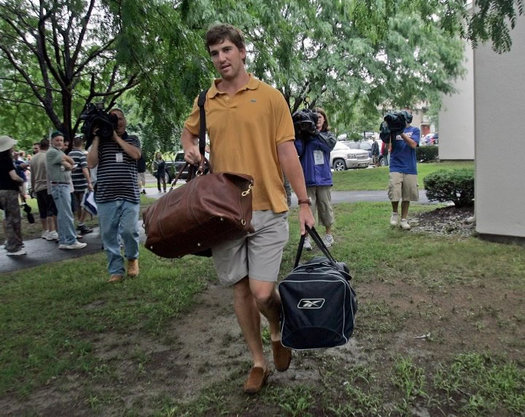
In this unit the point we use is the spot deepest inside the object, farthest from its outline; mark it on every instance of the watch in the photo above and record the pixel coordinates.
(305, 201)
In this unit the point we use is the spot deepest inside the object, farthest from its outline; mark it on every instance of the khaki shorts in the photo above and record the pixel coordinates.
(403, 187)
(257, 255)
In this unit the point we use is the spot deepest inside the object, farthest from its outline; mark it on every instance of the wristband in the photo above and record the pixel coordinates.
(304, 201)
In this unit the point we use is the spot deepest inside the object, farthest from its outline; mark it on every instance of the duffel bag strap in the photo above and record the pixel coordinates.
(204, 167)
(318, 241)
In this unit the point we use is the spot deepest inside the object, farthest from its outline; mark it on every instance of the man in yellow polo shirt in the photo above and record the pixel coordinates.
(251, 132)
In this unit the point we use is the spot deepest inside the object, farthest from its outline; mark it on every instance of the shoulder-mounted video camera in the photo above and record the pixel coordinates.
(393, 124)
(304, 123)
(96, 118)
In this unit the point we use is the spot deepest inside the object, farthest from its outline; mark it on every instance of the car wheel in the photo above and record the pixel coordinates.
(339, 164)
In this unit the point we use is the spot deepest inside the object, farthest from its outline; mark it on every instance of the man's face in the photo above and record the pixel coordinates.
(36, 148)
(227, 59)
(58, 142)
(121, 125)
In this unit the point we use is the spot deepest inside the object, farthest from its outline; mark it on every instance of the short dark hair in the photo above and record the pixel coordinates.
(57, 133)
(220, 32)
(44, 144)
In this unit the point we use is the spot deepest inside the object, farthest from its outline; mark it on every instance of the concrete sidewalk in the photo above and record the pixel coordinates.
(41, 251)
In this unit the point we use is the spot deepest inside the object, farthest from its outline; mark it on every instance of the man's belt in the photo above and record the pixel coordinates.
(57, 183)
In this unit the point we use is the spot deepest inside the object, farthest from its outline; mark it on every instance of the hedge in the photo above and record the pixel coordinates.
(451, 185)
(427, 153)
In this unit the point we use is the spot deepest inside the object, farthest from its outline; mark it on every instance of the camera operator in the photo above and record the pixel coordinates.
(403, 173)
(314, 153)
(117, 195)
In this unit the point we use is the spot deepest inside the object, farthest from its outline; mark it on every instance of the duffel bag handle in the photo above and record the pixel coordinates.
(318, 241)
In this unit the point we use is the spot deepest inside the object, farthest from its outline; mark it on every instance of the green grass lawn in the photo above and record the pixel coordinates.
(377, 178)
(439, 331)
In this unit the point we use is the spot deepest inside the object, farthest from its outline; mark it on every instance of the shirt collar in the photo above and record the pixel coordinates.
(252, 84)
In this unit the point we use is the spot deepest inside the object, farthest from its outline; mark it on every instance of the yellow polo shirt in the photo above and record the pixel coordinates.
(244, 131)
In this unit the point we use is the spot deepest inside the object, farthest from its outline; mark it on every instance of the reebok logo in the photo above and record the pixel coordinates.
(310, 303)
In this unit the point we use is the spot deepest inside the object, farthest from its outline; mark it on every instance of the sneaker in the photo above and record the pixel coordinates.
(19, 252)
(404, 224)
(76, 245)
(84, 230)
(394, 219)
(307, 245)
(52, 235)
(328, 240)
(44, 234)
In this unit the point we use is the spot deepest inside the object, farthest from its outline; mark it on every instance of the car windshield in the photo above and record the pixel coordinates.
(179, 157)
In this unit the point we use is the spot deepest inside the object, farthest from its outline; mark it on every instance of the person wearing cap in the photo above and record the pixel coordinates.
(10, 184)
(403, 173)
(59, 167)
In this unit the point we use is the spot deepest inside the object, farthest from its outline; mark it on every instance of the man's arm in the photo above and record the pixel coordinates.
(67, 162)
(85, 171)
(131, 150)
(190, 144)
(409, 141)
(92, 156)
(14, 176)
(291, 167)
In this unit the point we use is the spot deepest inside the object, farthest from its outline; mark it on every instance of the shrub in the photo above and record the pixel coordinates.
(427, 153)
(448, 185)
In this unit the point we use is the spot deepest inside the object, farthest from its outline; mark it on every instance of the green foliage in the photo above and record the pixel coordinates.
(427, 153)
(492, 21)
(456, 186)
(351, 57)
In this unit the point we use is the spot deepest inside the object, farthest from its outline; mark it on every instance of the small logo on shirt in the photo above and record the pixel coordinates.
(253, 100)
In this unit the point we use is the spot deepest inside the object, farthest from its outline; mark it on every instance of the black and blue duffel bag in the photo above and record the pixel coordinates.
(318, 303)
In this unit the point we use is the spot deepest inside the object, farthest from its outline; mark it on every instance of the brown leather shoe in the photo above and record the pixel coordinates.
(133, 267)
(256, 380)
(282, 356)
(115, 278)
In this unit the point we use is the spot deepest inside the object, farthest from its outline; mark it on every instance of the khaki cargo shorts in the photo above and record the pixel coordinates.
(403, 187)
(257, 255)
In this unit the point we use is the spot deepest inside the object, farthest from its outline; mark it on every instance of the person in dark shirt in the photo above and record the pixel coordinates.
(160, 166)
(10, 184)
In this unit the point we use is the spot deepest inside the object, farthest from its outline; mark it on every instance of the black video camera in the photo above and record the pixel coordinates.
(394, 124)
(304, 123)
(96, 118)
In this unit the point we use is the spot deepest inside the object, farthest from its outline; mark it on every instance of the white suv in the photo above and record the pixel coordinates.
(342, 158)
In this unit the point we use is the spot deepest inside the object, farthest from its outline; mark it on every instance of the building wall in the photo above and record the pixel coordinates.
(499, 109)
(456, 118)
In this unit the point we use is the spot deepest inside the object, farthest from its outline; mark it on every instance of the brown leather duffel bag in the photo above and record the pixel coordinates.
(205, 211)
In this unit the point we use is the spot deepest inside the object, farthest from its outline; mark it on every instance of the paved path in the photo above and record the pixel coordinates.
(41, 251)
